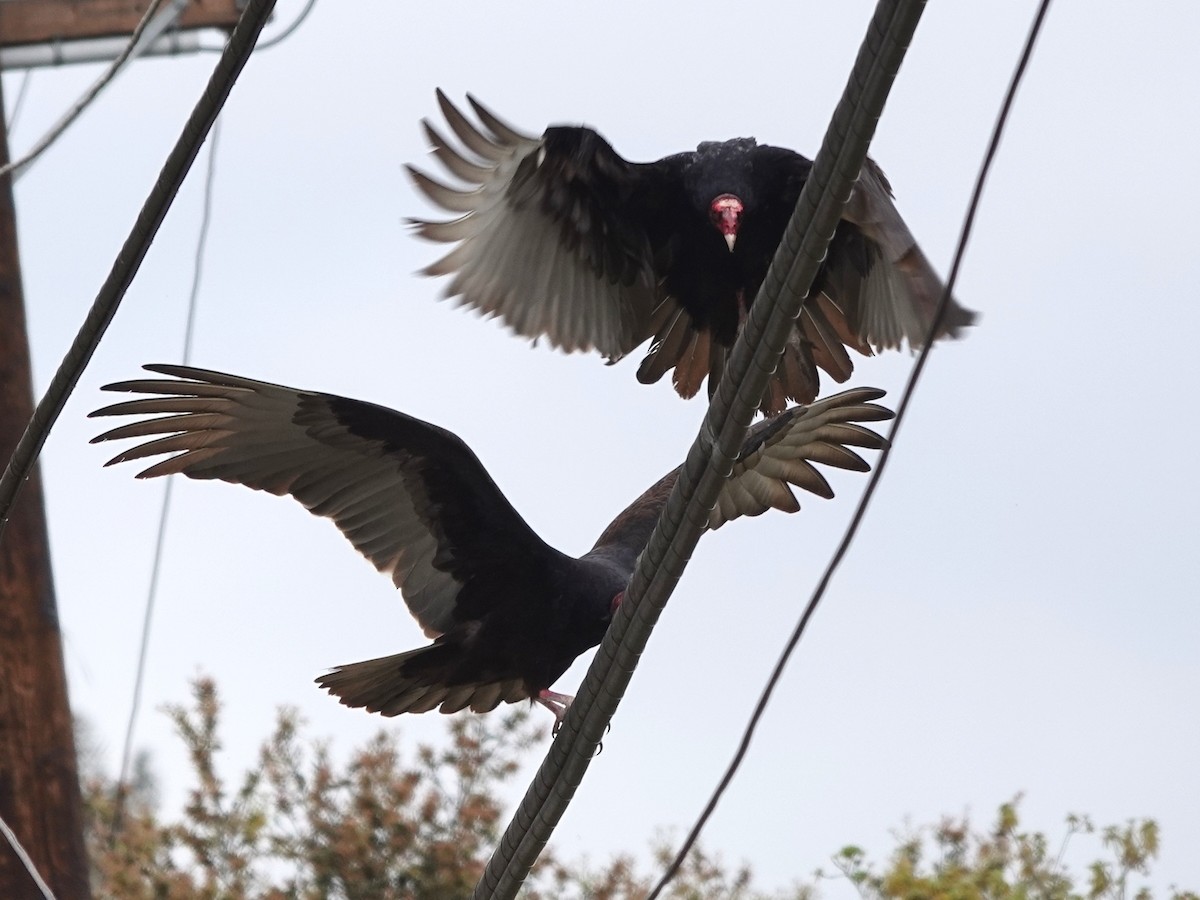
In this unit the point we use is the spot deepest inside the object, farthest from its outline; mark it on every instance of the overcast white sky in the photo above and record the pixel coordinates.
(1019, 612)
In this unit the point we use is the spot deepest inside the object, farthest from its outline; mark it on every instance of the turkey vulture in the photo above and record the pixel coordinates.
(507, 612)
(561, 237)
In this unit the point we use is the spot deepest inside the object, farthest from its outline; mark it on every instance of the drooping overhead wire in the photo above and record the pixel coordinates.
(165, 508)
(164, 511)
(276, 39)
(279, 37)
(126, 265)
(19, 103)
(65, 121)
(869, 491)
(754, 357)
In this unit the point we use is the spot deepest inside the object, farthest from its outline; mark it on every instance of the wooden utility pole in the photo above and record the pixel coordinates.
(39, 785)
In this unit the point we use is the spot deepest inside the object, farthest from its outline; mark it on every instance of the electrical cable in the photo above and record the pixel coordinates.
(135, 43)
(276, 39)
(869, 490)
(59, 128)
(20, 101)
(11, 837)
(125, 266)
(122, 792)
(755, 355)
(164, 511)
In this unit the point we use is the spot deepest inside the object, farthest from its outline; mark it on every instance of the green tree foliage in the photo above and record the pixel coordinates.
(395, 822)
(300, 826)
(950, 862)
(388, 823)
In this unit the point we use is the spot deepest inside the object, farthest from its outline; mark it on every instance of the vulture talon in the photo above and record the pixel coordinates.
(557, 704)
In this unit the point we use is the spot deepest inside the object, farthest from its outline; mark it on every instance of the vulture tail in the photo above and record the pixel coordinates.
(417, 681)
(674, 344)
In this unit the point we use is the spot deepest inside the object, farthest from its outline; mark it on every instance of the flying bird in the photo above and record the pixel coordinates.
(508, 613)
(561, 237)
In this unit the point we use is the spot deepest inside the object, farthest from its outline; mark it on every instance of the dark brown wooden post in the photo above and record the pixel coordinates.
(39, 786)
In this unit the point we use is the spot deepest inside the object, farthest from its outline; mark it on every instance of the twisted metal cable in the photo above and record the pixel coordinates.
(126, 265)
(755, 356)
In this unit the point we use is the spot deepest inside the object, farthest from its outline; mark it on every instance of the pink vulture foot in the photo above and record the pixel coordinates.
(557, 704)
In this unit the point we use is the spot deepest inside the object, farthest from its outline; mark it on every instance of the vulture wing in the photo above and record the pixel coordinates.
(887, 288)
(551, 234)
(776, 453)
(781, 451)
(411, 497)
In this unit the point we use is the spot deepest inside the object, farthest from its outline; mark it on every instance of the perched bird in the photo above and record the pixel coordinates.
(507, 612)
(561, 237)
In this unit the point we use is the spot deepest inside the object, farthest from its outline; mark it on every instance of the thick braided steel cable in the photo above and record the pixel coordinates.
(154, 210)
(755, 356)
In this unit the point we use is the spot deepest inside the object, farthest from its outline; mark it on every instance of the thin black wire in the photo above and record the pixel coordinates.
(20, 101)
(159, 540)
(133, 251)
(88, 97)
(164, 511)
(276, 39)
(869, 491)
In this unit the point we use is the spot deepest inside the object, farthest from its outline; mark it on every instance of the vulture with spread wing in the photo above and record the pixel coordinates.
(507, 612)
(561, 237)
